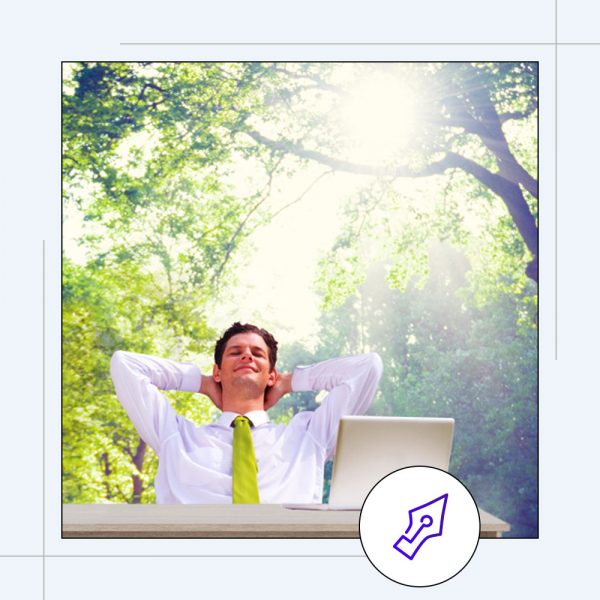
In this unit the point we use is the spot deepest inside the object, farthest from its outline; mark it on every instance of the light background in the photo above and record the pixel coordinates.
(34, 562)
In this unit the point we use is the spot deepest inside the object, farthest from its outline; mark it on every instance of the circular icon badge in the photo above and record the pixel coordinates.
(419, 526)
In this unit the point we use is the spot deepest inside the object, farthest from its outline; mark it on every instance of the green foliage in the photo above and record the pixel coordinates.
(447, 354)
(145, 171)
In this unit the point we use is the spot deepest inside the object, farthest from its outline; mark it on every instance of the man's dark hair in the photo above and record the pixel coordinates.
(236, 328)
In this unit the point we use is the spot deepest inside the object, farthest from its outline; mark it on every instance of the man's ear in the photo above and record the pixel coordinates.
(272, 378)
(216, 373)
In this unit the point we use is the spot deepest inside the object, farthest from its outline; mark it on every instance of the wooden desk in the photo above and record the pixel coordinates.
(220, 521)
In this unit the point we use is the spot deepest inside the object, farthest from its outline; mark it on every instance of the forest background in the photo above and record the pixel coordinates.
(346, 207)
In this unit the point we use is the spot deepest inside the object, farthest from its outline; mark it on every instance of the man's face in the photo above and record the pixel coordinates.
(245, 363)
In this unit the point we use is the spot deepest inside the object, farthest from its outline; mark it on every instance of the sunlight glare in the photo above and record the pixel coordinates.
(381, 116)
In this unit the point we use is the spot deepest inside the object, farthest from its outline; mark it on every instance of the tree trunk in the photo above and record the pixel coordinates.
(138, 461)
(107, 472)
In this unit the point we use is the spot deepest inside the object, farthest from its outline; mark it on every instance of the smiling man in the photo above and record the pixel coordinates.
(243, 457)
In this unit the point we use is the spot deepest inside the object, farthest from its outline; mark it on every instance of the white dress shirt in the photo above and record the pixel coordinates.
(195, 460)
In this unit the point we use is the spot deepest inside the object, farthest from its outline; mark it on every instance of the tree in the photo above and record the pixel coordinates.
(467, 107)
(105, 310)
(204, 114)
(446, 354)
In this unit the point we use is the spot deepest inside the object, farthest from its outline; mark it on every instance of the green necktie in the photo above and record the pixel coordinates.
(244, 479)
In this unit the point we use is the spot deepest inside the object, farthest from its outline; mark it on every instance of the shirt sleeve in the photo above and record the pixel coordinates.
(351, 382)
(138, 379)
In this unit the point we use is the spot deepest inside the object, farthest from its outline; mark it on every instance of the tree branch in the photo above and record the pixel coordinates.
(318, 82)
(488, 127)
(310, 186)
(290, 147)
(508, 191)
(151, 86)
(513, 199)
(262, 197)
(517, 115)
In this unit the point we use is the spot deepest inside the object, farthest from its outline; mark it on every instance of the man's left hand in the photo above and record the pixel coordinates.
(281, 387)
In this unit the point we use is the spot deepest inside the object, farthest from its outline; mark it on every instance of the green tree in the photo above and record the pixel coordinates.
(478, 122)
(146, 176)
(474, 119)
(446, 354)
(105, 310)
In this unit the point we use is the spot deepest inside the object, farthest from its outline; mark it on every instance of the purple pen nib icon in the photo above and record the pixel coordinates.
(425, 522)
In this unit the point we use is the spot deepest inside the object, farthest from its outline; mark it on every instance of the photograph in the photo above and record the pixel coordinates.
(282, 281)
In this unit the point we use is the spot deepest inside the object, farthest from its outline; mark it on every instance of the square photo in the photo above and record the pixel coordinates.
(283, 280)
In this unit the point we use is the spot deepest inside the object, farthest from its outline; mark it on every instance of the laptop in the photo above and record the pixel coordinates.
(369, 448)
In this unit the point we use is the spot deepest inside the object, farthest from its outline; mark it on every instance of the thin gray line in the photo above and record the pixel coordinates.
(335, 44)
(44, 556)
(556, 182)
(359, 43)
(43, 419)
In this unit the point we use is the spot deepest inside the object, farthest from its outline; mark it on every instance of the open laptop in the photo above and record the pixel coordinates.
(369, 448)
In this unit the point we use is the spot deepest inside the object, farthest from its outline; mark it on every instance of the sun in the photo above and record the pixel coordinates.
(380, 115)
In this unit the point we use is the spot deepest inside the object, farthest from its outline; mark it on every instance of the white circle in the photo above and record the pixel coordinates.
(419, 526)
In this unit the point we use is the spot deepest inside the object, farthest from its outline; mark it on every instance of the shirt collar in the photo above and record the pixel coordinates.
(258, 417)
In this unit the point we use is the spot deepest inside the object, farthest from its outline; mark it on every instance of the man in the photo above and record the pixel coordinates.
(244, 460)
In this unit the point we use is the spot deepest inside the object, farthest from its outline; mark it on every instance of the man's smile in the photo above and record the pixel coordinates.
(244, 367)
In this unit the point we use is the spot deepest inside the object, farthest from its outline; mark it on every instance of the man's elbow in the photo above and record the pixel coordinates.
(116, 362)
(375, 365)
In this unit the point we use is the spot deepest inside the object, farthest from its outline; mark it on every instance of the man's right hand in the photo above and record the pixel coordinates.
(209, 387)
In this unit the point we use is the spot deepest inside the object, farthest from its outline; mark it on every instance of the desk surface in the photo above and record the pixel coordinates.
(220, 521)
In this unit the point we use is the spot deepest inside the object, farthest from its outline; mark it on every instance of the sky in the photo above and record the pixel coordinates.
(276, 286)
